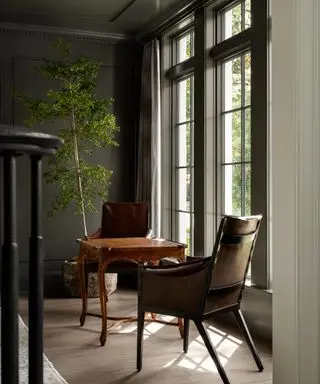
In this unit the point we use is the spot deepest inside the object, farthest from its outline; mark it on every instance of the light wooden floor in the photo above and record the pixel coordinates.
(80, 359)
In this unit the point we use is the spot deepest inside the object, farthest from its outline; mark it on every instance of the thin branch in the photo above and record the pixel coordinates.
(78, 170)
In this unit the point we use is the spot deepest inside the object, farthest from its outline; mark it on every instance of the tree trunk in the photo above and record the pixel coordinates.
(78, 175)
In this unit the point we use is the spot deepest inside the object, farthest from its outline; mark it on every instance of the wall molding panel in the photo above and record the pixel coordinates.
(22, 47)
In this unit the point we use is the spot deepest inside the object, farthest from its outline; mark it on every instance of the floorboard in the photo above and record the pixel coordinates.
(80, 359)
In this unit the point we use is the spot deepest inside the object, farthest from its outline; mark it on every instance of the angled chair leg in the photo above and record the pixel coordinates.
(139, 340)
(186, 325)
(204, 334)
(244, 328)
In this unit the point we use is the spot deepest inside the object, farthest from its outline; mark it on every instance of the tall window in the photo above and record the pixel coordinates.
(240, 61)
(182, 48)
(184, 162)
(178, 145)
(214, 134)
(236, 134)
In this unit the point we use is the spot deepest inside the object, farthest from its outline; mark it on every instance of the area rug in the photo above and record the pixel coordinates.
(50, 374)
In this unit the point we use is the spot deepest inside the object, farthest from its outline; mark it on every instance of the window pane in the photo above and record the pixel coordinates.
(184, 190)
(247, 71)
(184, 137)
(184, 47)
(184, 100)
(247, 134)
(232, 189)
(232, 21)
(232, 137)
(248, 189)
(184, 230)
(236, 19)
(232, 83)
(247, 14)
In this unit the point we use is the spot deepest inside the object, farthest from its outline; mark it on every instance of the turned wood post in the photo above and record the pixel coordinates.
(21, 142)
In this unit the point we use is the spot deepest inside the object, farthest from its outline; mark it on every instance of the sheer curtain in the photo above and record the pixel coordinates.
(148, 172)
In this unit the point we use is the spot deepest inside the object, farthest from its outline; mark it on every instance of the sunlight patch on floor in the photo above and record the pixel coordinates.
(198, 358)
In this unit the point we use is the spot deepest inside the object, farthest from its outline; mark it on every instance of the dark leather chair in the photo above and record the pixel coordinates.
(206, 286)
(124, 219)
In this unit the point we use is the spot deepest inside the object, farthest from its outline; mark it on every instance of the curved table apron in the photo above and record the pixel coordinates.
(106, 251)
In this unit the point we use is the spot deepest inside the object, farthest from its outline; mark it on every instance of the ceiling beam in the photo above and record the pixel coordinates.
(122, 10)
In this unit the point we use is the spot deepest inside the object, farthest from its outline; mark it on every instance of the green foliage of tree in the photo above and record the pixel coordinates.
(87, 123)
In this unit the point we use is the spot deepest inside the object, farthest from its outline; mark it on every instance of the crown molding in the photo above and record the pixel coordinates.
(40, 31)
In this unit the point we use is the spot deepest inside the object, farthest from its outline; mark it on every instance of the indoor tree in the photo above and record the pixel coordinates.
(86, 123)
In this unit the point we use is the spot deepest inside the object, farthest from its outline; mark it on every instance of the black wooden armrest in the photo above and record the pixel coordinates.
(181, 269)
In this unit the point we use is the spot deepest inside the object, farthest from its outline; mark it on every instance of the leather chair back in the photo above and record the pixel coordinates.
(124, 220)
(236, 240)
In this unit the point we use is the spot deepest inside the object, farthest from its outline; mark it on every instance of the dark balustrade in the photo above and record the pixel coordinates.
(14, 142)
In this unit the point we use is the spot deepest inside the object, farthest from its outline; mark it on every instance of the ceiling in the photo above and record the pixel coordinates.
(106, 16)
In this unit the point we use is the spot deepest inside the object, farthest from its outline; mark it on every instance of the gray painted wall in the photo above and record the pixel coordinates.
(19, 54)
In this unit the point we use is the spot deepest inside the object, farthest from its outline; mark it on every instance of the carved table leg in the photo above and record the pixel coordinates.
(83, 290)
(180, 325)
(103, 302)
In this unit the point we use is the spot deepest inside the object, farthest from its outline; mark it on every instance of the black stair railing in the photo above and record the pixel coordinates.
(14, 142)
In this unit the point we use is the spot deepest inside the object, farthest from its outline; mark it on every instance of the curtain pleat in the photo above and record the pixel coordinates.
(148, 172)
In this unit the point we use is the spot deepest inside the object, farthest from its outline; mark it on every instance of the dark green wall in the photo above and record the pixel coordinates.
(20, 52)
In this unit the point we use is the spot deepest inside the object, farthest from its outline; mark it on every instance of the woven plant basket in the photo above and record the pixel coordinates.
(72, 281)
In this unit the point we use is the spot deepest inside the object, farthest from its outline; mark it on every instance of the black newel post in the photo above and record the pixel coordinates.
(21, 142)
(9, 278)
(36, 275)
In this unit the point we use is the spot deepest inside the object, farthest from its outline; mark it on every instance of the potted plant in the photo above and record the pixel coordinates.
(87, 123)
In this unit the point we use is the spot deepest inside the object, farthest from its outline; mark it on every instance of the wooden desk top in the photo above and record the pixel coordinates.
(132, 243)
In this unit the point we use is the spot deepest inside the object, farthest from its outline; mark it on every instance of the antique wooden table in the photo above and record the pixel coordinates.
(108, 250)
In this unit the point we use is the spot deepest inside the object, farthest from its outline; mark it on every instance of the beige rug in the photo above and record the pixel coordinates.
(50, 374)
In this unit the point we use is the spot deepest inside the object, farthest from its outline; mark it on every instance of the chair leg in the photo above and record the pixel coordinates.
(244, 328)
(204, 334)
(139, 339)
(186, 325)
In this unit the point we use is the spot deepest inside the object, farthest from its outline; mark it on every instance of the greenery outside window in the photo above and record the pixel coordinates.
(214, 134)
(183, 47)
(183, 174)
(239, 56)
(235, 18)
(236, 135)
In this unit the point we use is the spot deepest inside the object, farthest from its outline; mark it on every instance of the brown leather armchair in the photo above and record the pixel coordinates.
(124, 219)
(202, 288)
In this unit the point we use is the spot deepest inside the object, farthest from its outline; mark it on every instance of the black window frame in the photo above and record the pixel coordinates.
(255, 39)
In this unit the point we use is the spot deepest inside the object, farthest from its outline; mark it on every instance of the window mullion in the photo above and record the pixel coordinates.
(243, 15)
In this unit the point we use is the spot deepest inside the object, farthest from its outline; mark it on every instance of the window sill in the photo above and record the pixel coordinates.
(259, 291)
